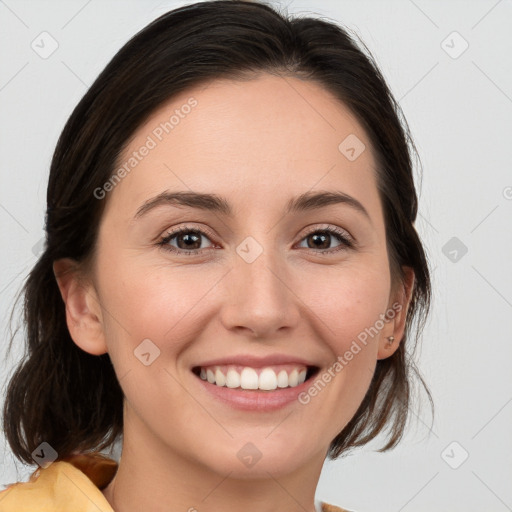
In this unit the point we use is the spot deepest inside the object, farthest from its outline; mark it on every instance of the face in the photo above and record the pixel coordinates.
(251, 278)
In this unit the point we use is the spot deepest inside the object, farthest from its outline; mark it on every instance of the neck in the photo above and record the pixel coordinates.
(154, 477)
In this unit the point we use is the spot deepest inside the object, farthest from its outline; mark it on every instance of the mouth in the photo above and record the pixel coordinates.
(269, 379)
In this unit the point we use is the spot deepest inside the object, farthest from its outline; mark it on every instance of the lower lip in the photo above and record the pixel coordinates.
(255, 400)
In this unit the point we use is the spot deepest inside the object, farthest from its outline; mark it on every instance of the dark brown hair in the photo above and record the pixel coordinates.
(71, 399)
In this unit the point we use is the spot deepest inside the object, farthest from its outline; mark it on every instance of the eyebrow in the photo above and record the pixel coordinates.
(214, 203)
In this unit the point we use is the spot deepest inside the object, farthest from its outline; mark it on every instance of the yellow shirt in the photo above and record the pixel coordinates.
(71, 485)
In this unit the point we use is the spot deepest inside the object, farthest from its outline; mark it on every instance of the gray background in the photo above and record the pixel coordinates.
(459, 107)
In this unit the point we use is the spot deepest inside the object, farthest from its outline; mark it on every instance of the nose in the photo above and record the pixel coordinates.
(260, 299)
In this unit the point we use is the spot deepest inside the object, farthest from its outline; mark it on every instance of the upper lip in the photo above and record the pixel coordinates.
(257, 362)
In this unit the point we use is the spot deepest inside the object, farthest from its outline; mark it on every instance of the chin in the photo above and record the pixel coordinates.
(250, 462)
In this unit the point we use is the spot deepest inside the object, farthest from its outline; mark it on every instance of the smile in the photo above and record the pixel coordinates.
(268, 378)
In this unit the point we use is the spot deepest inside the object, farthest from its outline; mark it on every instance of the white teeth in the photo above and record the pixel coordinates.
(267, 380)
(249, 379)
(220, 380)
(282, 379)
(232, 379)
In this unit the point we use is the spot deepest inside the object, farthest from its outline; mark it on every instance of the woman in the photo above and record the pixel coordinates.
(230, 275)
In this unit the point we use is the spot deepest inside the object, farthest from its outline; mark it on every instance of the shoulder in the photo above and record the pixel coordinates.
(332, 508)
(73, 484)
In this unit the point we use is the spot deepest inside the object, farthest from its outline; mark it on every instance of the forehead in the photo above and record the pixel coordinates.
(264, 138)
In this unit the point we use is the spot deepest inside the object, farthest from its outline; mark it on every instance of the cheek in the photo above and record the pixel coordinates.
(157, 303)
(348, 307)
(150, 317)
(348, 301)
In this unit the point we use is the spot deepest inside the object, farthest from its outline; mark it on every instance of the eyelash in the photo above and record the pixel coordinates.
(346, 242)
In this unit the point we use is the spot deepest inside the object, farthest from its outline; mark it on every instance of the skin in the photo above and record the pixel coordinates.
(257, 143)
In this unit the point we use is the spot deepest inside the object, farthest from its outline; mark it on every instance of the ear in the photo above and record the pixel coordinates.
(397, 313)
(83, 311)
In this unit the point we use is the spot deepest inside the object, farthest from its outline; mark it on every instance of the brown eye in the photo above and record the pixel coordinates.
(321, 240)
(188, 241)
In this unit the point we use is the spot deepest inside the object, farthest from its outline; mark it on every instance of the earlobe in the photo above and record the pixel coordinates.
(83, 313)
(393, 331)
